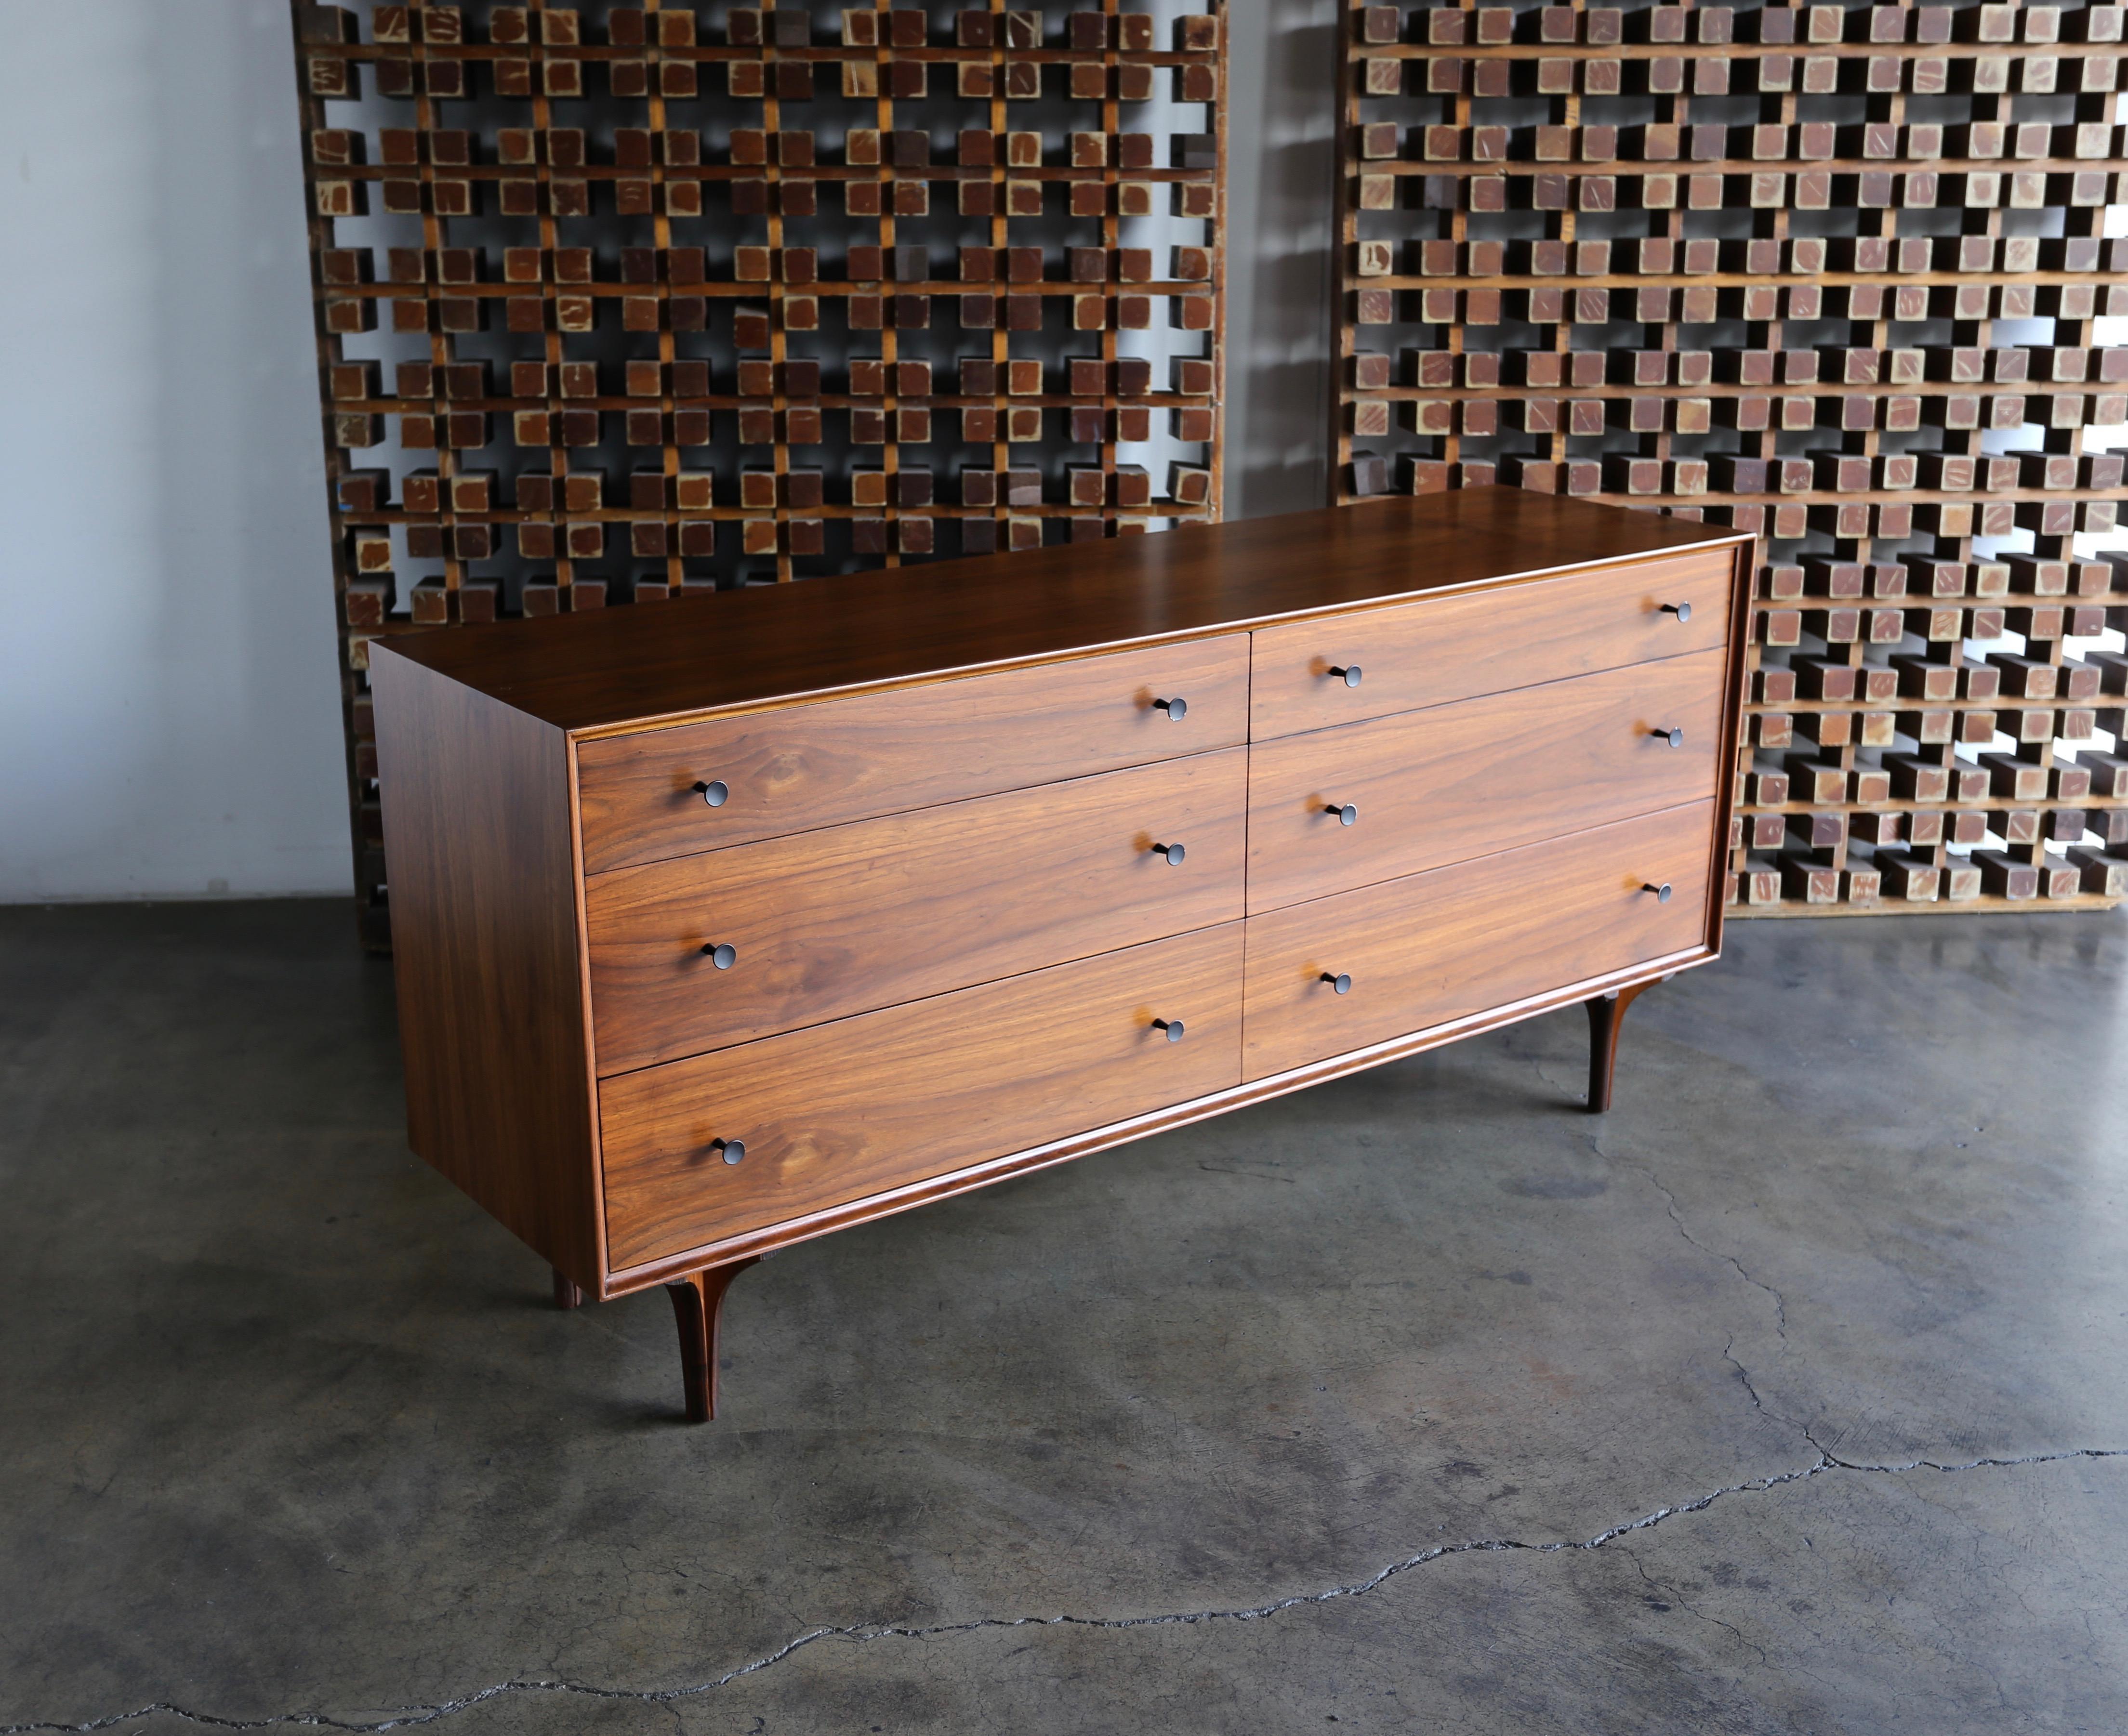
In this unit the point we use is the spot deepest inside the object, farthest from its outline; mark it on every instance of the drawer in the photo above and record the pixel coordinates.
(1455, 647)
(1444, 944)
(798, 767)
(1482, 776)
(839, 1112)
(847, 918)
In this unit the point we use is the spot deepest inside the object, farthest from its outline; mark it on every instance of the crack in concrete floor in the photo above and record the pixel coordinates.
(413, 1716)
(1826, 1461)
(1830, 1461)
(1677, 1217)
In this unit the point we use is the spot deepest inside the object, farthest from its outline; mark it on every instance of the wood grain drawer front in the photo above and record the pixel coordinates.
(842, 1112)
(1456, 647)
(1457, 942)
(850, 917)
(801, 766)
(1431, 787)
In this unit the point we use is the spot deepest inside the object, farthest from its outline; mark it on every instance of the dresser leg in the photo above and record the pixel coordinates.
(698, 1304)
(567, 1295)
(1606, 1014)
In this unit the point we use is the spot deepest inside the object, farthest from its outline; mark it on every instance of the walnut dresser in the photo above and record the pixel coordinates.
(727, 922)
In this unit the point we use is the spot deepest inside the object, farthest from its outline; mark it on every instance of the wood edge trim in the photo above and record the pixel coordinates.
(595, 1142)
(974, 1176)
(2083, 904)
(1247, 625)
(1734, 694)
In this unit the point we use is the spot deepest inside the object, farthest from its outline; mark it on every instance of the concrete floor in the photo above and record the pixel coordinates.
(1789, 1396)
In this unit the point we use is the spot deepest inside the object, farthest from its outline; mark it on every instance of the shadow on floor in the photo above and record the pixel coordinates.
(1415, 1401)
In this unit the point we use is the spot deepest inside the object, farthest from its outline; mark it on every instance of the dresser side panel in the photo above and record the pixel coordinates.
(485, 950)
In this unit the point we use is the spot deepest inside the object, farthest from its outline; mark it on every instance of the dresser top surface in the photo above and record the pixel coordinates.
(737, 648)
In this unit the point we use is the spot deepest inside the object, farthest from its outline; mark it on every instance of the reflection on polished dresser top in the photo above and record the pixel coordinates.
(629, 667)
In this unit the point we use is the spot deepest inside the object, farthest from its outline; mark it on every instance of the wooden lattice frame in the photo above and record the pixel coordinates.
(1602, 236)
(682, 198)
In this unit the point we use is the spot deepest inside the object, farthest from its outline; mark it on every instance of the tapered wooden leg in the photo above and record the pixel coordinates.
(1606, 1014)
(698, 1304)
(567, 1295)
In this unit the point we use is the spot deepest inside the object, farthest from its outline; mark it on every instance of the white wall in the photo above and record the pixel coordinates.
(167, 690)
(167, 697)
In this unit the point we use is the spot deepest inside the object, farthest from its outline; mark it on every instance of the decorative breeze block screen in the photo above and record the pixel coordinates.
(1843, 276)
(617, 303)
